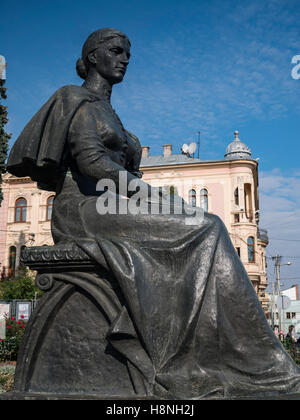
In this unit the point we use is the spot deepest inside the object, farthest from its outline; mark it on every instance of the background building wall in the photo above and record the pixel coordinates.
(221, 179)
(3, 223)
(35, 230)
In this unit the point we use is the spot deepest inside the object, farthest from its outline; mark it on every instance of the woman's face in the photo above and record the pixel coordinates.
(111, 59)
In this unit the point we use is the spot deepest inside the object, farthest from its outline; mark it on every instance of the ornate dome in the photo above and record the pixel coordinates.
(237, 149)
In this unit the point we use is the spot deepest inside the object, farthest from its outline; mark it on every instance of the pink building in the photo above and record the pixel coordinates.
(226, 187)
(25, 216)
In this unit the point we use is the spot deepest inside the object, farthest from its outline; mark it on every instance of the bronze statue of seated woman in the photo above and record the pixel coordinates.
(137, 303)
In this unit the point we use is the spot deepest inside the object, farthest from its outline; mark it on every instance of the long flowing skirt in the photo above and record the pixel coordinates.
(189, 301)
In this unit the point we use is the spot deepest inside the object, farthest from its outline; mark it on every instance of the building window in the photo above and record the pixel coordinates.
(293, 315)
(288, 315)
(238, 250)
(12, 260)
(204, 199)
(236, 197)
(20, 210)
(248, 202)
(250, 243)
(49, 206)
(236, 218)
(192, 198)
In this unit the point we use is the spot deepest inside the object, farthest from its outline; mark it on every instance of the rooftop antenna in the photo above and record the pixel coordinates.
(198, 144)
(188, 150)
(184, 149)
(192, 149)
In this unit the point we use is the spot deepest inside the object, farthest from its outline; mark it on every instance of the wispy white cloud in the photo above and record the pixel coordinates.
(280, 214)
(191, 81)
(213, 73)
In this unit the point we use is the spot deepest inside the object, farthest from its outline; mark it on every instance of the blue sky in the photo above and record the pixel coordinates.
(197, 65)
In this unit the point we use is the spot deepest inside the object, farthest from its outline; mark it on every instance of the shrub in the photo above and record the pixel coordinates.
(9, 346)
(290, 345)
(20, 287)
(6, 378)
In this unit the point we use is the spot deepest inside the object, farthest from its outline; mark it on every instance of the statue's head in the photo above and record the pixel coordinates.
(106, 51)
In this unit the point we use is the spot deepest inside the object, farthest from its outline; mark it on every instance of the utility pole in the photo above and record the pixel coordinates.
(277, 259)
(273, 311)
(277, 269)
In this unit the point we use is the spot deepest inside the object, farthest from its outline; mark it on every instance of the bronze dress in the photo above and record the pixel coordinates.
(190, 321)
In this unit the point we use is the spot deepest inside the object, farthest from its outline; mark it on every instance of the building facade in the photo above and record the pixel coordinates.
(285, 316)
(227, 187)
(25, 217)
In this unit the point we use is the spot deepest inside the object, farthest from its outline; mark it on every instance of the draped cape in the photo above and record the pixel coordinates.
(38, 152)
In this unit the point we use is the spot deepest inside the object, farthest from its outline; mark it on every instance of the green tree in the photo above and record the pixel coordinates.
(21, 286)
(291, 347)
(4, 137)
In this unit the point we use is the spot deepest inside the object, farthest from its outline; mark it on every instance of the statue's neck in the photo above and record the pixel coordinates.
(98, 85)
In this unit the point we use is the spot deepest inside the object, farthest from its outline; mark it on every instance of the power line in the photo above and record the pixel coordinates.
(283, 239)
(294, 257)
(295, 220)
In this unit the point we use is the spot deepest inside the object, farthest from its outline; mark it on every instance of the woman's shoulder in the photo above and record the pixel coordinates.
(67, 100)
(75, 93)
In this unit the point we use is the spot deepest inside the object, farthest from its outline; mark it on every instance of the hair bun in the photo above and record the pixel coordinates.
(81, 68)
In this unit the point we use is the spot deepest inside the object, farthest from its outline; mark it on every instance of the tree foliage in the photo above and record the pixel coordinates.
(21, 286)
(4, 137)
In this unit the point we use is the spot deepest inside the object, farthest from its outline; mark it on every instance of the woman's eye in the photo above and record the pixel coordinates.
(116, 50)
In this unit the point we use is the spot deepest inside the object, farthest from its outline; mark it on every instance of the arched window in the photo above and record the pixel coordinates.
(204, 199)
(251, 251)
(192, 198)
(49, 206)
(248, 201)
(12, 260)
(20, 210)
(236, 197)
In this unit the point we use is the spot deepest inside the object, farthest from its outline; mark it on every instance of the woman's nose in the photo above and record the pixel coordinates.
(124, 59)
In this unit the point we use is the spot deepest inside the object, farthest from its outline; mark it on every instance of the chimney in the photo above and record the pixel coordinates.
(167, 149)
(145, 151)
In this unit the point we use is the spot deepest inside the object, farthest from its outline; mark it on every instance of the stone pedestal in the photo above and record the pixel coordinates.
(78, 343)
(66, 349)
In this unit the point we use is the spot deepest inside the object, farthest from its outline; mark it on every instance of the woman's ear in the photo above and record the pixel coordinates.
(92, 57)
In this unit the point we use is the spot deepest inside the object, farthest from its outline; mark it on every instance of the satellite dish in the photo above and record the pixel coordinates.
(2, 68)
(185, 148)
(192, 148)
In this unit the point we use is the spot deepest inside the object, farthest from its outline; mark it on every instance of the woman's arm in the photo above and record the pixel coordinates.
(134, 165)
(87, 148)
